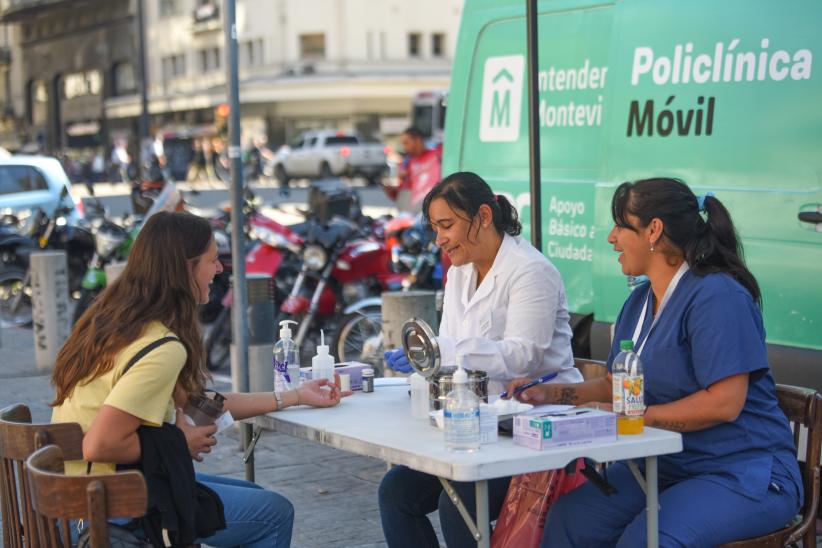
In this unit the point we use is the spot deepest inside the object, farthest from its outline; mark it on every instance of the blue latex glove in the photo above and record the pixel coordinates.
(396, 360)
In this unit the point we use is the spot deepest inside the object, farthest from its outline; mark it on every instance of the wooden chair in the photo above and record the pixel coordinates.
(590, 369)
(802, 407)
(94, 498)
(18, 440)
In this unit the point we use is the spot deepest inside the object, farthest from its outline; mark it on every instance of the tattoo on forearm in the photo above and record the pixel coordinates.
(669, 425)
(565, 396)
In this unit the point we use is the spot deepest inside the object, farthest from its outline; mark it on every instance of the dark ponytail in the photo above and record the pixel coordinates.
(708, 245)
(466, 192)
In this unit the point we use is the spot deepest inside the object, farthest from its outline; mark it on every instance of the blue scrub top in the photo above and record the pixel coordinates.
(711, 329)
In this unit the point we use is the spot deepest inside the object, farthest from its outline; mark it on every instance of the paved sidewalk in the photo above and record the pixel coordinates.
(334, 493)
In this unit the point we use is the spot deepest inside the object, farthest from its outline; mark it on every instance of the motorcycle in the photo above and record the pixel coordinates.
(112, 244)
(273, 249)
(55, 231)
(342, 265)
(417, 258)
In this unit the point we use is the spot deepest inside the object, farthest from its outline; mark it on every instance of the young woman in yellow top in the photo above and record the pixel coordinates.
(170, 267)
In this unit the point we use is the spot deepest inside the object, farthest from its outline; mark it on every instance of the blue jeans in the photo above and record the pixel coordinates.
(407, 497)
(255, 517)
(694, 512)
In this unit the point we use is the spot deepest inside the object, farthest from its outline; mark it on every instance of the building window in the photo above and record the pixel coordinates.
(252, 53)
(438, 44)
(174, 66)
(312, 46)
(210, 59)
(123, 82)
(414, 42)
(169, 7)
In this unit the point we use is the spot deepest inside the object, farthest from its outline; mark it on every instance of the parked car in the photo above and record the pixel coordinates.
(33, 182)
(325, 154)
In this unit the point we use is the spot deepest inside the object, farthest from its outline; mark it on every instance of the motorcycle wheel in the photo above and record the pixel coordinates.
(359, 338)
(87, 297)
(13, 290)
(218, 342)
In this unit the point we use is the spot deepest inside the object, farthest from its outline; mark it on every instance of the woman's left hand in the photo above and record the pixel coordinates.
(321, 393)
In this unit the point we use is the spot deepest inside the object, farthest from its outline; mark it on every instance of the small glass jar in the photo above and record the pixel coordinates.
(368, 380)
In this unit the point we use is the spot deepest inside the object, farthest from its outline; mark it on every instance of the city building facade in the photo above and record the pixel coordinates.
(304, 64)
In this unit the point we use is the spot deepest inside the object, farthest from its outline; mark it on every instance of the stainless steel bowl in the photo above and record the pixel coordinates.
(442, 383)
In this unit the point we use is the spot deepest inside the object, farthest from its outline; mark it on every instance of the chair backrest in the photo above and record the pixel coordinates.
(94, 498)
(18, 440)
(803, 407)
(590, 369)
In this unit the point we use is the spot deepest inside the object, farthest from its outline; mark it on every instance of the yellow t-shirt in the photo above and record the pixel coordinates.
(145, 391)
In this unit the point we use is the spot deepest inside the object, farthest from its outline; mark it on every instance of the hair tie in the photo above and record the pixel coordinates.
(700, 201)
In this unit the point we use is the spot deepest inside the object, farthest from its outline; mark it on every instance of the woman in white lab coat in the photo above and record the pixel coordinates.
(505, 313)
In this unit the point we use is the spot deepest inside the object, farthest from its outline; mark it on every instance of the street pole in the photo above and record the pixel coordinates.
(533, 123)
(239, 308)
(142, 78)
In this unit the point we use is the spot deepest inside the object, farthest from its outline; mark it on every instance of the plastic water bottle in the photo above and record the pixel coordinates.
(628, 390)
(461, 415)
(286, 360)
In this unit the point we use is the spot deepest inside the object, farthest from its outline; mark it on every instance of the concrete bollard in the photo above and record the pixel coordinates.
(261, 331)
(113, 271)
(400, 306)
(49, 306)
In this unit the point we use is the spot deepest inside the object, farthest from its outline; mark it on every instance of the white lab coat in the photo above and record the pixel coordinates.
(516, 322)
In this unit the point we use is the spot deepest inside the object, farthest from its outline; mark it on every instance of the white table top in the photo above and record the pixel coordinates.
(379, 425)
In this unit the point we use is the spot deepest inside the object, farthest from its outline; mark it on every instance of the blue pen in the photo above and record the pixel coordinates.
(526, 386)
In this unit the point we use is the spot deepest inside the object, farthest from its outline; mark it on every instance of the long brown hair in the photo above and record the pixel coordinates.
(156, 285)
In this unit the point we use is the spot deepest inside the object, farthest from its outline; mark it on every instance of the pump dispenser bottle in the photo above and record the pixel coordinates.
(322, 365)
(286, 360)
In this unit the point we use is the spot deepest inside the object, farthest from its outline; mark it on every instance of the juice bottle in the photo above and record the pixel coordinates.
(628, 390)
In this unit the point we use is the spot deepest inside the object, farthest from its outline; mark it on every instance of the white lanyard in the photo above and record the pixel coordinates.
(665, 298)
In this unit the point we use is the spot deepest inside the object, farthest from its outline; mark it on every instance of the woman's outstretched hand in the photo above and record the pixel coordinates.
(321, 393)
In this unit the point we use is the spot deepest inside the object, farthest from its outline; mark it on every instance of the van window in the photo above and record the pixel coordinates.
(341, 140)
(14, 179)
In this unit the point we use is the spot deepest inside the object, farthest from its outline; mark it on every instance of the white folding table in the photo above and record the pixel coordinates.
(379, 425)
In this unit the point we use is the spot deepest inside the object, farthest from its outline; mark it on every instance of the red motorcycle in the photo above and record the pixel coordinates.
(343, 265)
(274, 250)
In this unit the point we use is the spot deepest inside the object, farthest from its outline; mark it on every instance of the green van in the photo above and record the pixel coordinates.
(723, 95)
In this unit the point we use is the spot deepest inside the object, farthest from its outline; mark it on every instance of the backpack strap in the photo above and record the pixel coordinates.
(145, 350)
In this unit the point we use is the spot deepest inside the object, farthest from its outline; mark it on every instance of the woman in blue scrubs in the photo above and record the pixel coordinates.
(698, 326)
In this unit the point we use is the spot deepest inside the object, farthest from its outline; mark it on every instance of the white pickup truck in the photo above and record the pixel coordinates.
(324, 154)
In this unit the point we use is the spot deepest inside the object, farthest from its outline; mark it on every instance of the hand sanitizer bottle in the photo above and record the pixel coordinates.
(322, 365)
(286, 360)
(461, 415)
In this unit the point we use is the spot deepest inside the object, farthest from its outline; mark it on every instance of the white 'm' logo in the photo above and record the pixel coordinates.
(501, 98)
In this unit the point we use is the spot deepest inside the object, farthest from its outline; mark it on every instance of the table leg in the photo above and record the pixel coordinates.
(481, 530)
(652, 501)
(483, 520)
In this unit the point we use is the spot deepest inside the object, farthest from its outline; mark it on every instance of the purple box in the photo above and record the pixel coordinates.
(354, 369)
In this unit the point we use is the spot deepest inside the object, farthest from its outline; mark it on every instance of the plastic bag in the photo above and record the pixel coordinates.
(530, 496)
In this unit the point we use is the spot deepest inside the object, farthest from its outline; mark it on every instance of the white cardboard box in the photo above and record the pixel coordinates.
(577, 426)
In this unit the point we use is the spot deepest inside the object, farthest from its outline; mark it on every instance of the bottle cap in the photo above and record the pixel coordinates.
(285, 331)
(626, 344)
(460, 376)
(322, 348)
(367, 372)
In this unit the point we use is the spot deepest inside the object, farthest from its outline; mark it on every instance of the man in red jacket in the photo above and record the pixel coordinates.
(419, 172)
